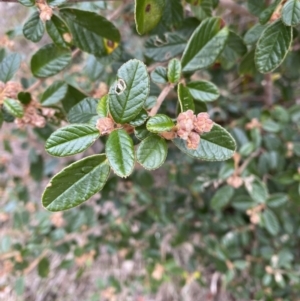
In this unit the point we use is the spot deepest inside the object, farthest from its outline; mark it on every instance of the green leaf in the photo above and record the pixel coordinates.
(173, 15)
(93, 68)
(83, 112)
(266, 14)
(129, 93)
(76, 183)
(257, 190)
(271, 222)
(217, 145)
(160, 123)
(247, 65)
(141, 132)
(71, 140)
(102, 106)
(174, 71)
(24, 97)
(161, 49)
(90, 31)
(49, 60)
(13, 107)
(120, 153)
(58, 31)
(150, 102)
(256, 6)
(44, 267)
(9, 66)
(222, 197)
(234, 49)
(54, 93)
(34, 28)
(273, 46)
(291, 13)
(27, 3)
(1, 118)
(139, 119)
(253, 34)
(72, 97)
(277, 200)
(147, 14)
(159, 75)
(205, 45)
(185, 98)
(152, 152)
(203, 90)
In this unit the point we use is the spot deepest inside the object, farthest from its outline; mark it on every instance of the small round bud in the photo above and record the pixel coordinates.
(105, 125)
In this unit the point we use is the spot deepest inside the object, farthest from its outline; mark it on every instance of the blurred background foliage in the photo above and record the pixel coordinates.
(188, 231)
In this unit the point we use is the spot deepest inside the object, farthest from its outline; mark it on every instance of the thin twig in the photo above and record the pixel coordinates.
(160, 99)
(268, 89)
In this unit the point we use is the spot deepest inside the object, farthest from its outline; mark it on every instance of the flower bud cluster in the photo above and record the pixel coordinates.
(190, 126)
(9, 90)
(32, 116)
(46, 11)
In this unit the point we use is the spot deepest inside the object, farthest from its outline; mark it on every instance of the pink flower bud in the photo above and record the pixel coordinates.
(12, 89)
(105, 125)
(193, 140)
(202, 123)
(185, 124)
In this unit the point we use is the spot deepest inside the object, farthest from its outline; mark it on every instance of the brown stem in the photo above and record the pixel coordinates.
(234, 7)
(268, 89)
(163, 94)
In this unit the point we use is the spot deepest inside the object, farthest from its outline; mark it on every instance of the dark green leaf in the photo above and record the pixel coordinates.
(257, 190)
(54, 93)
(84, 111)
(24, 97)
(152, 152)
(277, 200)
(162, 49)
(266, 14)
(120, 153)
(58, 31)
(222, 197)
(247, 65)
(71, 140)
(291, 13)
(34, 28)
(44, 267)
(271, 222)
(139, 119)
(185, 98)
(253, 34)
(217, 145)
(173, 13)
(141, 132)
(49, 60)
(159, 75)
(76, 183)
(129, 93)
(273, 46)
(72, 97)
(9, 66)
(203, 90)
(256, 6)
(205, 45)
(91, 32)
